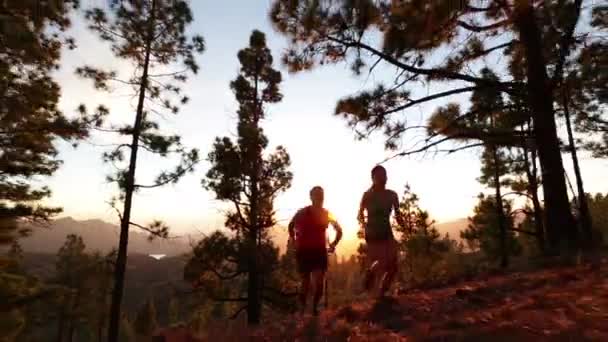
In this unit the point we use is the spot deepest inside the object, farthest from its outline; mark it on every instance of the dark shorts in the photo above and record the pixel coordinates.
(310, 260)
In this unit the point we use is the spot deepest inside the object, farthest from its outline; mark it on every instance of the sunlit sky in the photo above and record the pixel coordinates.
(323, 149)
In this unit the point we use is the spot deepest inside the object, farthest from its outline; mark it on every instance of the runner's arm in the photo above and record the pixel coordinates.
(291, 227)
(361, 215)
(338, 229)
(398, 215)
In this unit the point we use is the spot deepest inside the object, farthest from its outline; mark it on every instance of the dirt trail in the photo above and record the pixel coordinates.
(560, 304)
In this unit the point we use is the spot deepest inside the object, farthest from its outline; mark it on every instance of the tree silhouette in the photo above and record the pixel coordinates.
(420, 241)
(32, 36)
(243, 175)
(413, 36)
(484, 233)
(70, 267)
(151, 36)
(582, 99)
(145, 323)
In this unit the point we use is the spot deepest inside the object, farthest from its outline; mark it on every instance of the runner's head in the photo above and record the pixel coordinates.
(317, 196)
(379, 176)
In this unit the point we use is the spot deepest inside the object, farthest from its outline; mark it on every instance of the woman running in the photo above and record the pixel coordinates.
(382, 253)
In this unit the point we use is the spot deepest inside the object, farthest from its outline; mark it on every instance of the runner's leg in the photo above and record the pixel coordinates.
(390, 267)
(318, 281)
(374, 267)
(305, 289)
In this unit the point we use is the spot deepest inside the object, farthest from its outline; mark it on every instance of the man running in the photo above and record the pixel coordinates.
(307, 231)
(378, 202)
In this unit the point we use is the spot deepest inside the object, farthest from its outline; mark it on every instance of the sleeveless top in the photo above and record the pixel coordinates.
(378, 205)
(310, 227)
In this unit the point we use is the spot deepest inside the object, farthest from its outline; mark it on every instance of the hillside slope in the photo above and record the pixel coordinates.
(560, 304)
(97, 235)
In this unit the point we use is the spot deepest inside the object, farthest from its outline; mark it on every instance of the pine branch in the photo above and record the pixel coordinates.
(223, 276)
(168, 180)
(159, 234)
(523, 231)
(428, 72)
(564, 46)
(475, 28)
(430, 98)
(518, 193)
(238, 312)
(462, 148)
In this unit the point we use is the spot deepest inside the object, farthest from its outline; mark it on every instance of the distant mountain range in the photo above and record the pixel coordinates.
(103, 236)
(98, 235)
(453, 227)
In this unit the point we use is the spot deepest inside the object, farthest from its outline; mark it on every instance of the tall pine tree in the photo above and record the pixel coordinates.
(31, 38)
(248, 178)
(151, 36)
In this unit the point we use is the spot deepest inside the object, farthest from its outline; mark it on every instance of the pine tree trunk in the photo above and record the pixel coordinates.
(61, 325)
(500, 212)
(121, 260)
(585, 217)
(73, 309)
(561, 230)
(532, 174)
(253, 291)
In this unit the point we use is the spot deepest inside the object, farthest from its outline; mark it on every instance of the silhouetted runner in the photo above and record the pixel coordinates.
(382, 253)
(307, 232)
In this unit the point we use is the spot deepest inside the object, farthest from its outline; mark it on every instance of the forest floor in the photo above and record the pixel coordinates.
(568, 303)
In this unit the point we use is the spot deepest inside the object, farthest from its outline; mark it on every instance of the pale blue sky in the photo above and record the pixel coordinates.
(323, 150)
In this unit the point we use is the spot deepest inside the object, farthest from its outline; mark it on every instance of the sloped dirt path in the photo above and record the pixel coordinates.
(560, 304)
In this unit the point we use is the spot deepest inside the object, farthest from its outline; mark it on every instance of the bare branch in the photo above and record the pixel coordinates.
(475, 28)
(428, 72)
(168, 180)
(430, 98)
(523, 231)
(238, 312)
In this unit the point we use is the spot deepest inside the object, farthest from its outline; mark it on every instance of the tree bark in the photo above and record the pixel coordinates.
(73, 309)
(504, 253)
(583, 206)
(61, 325)
(121, 259)
(532, 174)
(253, 288)
(561, 230)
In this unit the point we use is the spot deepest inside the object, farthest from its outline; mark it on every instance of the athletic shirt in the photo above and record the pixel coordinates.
(310, 227)
(378, 205)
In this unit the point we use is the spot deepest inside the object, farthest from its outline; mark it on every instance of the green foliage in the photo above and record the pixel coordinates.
(532, 41)
(586, 85)
(32, 35)
(424, 250)
(248, 178)
(127, 332)
(145, 322)
(483, 232)
(159, 41)
(151, 36)
(598, 206)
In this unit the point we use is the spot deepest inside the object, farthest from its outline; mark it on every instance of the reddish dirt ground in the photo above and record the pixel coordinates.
(558, 304)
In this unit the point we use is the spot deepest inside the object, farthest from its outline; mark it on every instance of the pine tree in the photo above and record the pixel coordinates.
(32, 35)
(483, 232)
(488, 113)
(243, 175)
(151, 36)
(583, 99)
(146, 320)
(423, 246)
(413, 36)
(71, 271)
